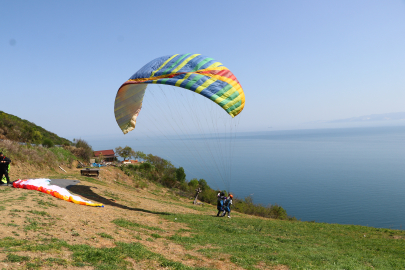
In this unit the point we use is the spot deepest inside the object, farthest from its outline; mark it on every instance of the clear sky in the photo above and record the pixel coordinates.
(62, 62)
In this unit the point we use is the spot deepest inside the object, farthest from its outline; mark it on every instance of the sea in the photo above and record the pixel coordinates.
(338, 175)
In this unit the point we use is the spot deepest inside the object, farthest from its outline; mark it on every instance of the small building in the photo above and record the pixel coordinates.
(108, 155)
(133, 162)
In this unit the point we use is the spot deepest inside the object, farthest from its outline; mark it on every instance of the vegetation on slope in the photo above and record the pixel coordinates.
(40, 157)
(17, 129)
(153, 229)
(161, 171)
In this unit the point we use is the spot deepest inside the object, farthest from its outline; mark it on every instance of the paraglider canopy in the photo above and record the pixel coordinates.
(195, 72)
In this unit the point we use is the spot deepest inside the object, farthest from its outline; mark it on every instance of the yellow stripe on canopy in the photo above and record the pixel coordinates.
(164, 64)
(182, 80)
(214, 65)
(184, 63)
(205, 85)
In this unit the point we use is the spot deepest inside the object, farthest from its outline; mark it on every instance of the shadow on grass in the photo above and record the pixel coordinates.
(86, 192)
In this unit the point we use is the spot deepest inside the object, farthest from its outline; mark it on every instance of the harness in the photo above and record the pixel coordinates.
(4, 179)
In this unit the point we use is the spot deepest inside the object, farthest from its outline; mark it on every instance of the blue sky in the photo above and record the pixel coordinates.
(299, 62)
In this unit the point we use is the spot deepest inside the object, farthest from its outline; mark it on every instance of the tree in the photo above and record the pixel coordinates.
(197, 191)
(84, 149)
(125, 152)
(203, 184)
(139, 155)
(100, 157)
(180, 175)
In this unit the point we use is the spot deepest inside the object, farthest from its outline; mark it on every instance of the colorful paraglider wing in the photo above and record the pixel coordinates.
(44, 186)
(128, 104)
(194, 72)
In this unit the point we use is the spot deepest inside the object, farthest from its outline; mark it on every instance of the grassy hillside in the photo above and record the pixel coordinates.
(17, 129)
(145, 225)
(152, 228)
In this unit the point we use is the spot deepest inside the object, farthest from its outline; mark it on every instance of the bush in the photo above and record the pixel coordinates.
(180, 175)
(84, 150)
(47, 143)
(193, 184)
(278, 212)
(209, 196)
(145, 166)
(169, 182)
(132, 167)
(184, 187)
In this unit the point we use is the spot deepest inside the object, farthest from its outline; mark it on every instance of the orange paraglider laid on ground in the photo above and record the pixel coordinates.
(43, 185)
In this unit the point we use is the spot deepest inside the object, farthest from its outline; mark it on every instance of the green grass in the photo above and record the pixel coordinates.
(46, 204)
(5, 190)
(111, 194)
(16, 210)
(105, 235)
(92, 180)
(62, 153)
(16, 258)
(200, 208)
(38, 223)
(58, 261)
(85, 255)
(32, 225)
(155, 235)
(40, 213)
(133, 225)
(298, 245)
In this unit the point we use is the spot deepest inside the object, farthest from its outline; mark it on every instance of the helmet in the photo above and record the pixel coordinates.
(230, 195)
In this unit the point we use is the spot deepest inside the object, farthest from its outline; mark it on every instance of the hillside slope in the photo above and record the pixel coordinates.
(146, 226)
(130, 216)
(17, 129)
(153, 228)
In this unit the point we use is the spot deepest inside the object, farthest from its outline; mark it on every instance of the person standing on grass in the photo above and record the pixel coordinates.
(220, 203)
(227, 205)
(4, 168)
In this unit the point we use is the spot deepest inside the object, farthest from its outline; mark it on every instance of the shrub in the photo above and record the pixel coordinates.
(47, 143)
(169, 182)
(208, 195)
(180, 175)
(278, 212)
(184, 187)
(203, 184)
(193, 183)
(145, 166)
(84, 151)
(132, 167)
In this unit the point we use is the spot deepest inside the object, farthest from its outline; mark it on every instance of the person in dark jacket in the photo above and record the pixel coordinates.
(220, 203)
(4, 167)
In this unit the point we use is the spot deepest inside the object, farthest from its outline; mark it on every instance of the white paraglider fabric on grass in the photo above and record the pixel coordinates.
(44, 185)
